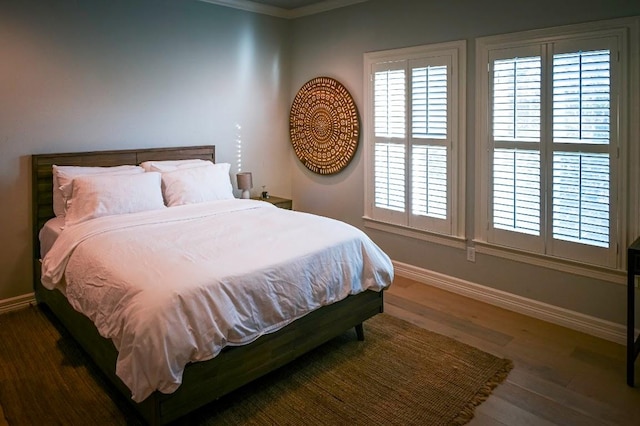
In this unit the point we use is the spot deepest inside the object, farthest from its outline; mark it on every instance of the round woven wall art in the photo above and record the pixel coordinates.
(324, 126)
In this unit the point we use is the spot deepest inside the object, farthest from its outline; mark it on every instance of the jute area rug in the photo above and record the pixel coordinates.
(400, 375)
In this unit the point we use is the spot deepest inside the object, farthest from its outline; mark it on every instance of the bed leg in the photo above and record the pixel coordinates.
(360, 332)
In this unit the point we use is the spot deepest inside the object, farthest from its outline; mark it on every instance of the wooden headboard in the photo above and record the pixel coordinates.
(42, 177)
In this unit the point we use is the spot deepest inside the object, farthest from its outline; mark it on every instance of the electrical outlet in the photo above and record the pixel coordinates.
(471, 254)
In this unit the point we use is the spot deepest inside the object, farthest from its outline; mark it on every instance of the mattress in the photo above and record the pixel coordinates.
(177, 285)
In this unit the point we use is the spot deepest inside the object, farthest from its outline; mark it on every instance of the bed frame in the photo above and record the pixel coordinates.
(203, 382)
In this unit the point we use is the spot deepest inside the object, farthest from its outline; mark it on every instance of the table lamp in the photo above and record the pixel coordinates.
(245, 183)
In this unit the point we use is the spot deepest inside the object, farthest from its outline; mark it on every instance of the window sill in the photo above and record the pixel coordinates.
(447, 240)
(610, 275)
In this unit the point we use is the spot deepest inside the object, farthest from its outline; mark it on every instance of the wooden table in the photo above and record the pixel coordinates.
(633, 344)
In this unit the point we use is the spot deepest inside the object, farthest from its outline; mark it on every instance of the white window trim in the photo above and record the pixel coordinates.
(629, 173)
(457, 237)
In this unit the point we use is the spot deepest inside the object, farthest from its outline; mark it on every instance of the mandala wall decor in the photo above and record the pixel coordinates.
(324, 126)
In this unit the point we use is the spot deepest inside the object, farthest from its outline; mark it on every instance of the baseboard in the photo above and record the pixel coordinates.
(574, 320)
(15, 303)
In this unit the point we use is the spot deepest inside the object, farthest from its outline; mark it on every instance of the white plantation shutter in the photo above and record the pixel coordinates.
(581, 198)
(429, 181)
(429, 130)
(389, 103)
(581, 119)
(550, 138)
(389, 171)
(412, 133)
(389, 88)
(582, 97)
(429, 102)
(516, 190)
(517, 97)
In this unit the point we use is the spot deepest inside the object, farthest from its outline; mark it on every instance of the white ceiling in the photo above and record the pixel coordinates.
(285, 8)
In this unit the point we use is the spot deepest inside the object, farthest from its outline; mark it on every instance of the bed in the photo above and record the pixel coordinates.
(234, 365)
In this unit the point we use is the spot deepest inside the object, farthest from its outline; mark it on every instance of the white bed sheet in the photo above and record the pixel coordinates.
(177, 285)
(49, 234)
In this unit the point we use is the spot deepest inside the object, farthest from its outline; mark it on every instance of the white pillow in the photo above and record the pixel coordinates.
(63, 175)
(105, 195)
(171, 165)
(197, 184)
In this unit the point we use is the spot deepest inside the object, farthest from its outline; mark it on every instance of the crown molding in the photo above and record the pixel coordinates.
(279, 12)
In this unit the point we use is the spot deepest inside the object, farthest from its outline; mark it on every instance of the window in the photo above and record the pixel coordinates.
(414, 138)
(553, 120)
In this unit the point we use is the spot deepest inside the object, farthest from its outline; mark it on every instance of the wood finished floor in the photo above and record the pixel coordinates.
(561, 376)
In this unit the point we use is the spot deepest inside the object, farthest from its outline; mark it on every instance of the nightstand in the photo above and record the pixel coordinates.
(283, 203)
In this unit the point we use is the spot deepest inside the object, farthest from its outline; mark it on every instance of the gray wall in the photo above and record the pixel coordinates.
(333, 44)
(78, 75)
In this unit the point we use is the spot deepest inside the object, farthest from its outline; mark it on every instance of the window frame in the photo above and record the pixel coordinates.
(402, 223)
(626, 175)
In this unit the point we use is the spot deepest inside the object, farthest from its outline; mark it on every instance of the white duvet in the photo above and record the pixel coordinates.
(177, 285)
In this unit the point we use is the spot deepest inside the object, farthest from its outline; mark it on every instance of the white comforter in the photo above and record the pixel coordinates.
(179, 284)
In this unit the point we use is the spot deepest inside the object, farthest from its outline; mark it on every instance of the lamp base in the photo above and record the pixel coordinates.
(245, 194)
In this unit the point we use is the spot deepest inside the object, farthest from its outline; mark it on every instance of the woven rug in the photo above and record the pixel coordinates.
(400, 375)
